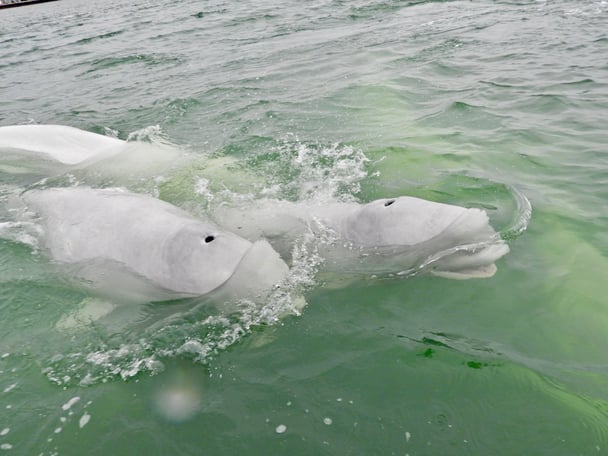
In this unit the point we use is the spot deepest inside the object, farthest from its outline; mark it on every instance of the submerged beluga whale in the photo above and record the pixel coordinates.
(402, 236)
(134, 247)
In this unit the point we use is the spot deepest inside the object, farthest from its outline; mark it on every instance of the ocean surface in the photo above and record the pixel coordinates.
(485, 104)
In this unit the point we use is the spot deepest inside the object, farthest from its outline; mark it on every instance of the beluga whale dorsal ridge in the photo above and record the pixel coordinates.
(403, 235)
(106, 235)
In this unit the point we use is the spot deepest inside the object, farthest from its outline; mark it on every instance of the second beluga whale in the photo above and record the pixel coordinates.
(401, 236)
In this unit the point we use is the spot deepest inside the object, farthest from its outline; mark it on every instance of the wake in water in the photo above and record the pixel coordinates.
(305, 204)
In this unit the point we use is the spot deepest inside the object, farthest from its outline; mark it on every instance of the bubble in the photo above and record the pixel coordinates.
(327, 421)
(281, 428)
(5, 431)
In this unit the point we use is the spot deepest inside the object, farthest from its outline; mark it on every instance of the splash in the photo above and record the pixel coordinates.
(152, 134)
(298, 171)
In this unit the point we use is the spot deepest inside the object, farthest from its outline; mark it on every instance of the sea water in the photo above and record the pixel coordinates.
(481, 104)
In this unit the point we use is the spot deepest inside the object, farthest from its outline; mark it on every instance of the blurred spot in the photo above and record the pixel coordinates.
(180, 396)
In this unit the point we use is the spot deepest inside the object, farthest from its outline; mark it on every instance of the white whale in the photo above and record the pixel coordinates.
(56, 143)
(133, 247)
(42, 151)
(402, 235)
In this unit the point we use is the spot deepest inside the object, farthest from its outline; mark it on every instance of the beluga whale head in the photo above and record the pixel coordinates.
(442, 239)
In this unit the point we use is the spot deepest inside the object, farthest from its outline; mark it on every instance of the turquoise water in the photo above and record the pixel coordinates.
(469, 103)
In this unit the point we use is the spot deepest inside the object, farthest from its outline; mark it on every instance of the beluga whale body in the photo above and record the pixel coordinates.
(402, 236)
(133, 247)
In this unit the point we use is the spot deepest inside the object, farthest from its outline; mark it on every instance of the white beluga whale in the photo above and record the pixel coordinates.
(136, 248)
(55, 143)
(51, 150)
(403, 235)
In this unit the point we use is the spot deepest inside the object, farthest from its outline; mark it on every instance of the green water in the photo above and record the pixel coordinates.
(469, 103)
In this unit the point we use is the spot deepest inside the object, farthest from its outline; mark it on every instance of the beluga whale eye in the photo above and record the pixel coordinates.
(209, 239)
(387, 203)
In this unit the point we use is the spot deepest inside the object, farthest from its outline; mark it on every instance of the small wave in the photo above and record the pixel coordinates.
(146, 59)
(99, 37)
(521, 217)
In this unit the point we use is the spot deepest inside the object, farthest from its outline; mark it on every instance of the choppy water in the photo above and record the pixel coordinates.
(471, 103)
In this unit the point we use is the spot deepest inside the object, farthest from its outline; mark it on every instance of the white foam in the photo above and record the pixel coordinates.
(70, 403)
(5, 431)
(84, 420)
(9, 388)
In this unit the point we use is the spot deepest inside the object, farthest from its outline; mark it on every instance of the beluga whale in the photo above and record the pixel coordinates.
(54, 144)
(391, 236)
(50, 150)
(135, 248)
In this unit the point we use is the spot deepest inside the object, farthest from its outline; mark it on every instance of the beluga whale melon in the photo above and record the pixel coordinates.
(403, 235)
(133, 247)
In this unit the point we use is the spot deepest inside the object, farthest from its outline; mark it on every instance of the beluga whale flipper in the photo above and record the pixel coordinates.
(133, 247)
(401, 236)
